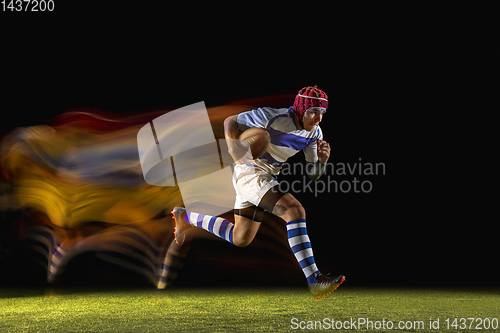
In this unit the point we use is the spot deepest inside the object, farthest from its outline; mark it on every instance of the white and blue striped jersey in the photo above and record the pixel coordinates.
(286, 139)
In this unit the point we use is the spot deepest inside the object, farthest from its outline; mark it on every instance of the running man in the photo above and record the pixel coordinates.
(291, 130)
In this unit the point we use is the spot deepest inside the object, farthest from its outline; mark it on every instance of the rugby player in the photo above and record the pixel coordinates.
(291, 130)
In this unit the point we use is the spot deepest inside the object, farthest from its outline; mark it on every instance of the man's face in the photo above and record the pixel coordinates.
(313, 117)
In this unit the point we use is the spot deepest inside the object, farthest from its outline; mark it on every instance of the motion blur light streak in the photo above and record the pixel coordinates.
(78, 186)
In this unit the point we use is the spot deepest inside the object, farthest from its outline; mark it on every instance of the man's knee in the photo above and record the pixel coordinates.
(289, 208)
(296, 211)
(242, 240)
(244, 231)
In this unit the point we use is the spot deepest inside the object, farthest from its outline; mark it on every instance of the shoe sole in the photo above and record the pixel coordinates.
(320, 297)
(175, 215)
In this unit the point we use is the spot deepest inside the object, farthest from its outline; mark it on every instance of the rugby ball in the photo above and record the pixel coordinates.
(258, 139)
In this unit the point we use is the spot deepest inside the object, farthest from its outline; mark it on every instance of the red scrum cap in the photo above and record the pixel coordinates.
(309, 97)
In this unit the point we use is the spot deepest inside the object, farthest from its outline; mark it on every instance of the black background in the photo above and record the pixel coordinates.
(403, 92)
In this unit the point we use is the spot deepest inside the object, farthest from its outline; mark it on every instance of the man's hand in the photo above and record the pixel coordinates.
(323, 151)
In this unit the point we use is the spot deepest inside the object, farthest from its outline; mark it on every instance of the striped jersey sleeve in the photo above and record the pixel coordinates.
(311, 150)
(258, 118)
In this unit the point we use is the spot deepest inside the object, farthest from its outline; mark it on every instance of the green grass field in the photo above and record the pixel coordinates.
(100, 309)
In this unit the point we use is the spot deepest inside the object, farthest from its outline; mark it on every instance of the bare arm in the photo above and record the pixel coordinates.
(239, 150)
(316, 169)
(231, 129)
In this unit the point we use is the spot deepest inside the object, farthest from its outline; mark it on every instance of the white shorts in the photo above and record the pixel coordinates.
(251, 183)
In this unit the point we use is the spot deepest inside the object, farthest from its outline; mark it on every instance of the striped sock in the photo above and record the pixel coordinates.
(301, 248)
(216, 225)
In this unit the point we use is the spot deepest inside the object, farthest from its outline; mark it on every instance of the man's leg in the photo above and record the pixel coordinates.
(244, 231)
(240, 233)
(291, 210)
(294, 214)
